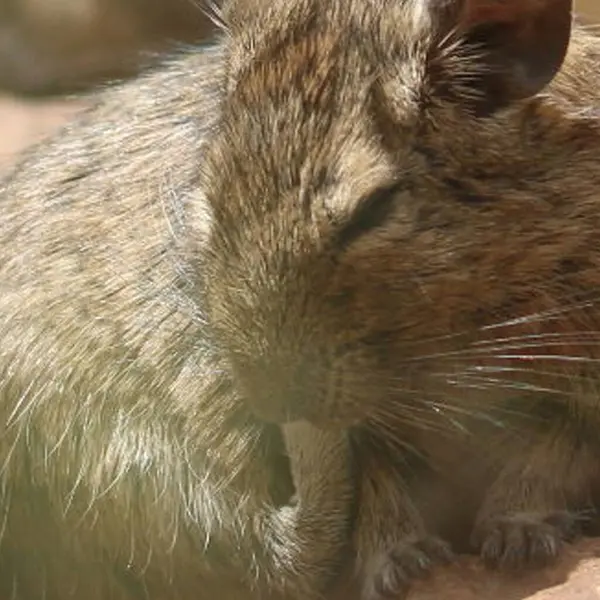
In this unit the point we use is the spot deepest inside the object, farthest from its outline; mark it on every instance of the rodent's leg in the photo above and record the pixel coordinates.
(305, 543)
(531, 508)
(393, 546)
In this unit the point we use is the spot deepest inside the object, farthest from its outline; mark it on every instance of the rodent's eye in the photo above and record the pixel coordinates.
(370, 213)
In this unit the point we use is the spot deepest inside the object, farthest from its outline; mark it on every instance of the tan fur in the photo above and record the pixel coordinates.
(158, 463)
(182, 290)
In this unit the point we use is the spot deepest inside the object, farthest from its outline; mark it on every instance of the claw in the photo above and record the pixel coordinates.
(392, 572)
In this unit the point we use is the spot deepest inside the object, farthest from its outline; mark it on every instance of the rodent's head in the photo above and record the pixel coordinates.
(352, 189)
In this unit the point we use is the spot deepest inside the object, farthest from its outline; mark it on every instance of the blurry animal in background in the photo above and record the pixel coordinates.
(56, 46)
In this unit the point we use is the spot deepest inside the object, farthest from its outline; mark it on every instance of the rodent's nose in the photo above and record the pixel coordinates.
(274, 391)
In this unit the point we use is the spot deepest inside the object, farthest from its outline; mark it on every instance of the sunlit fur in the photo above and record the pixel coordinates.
(469, 314)
(169, 255)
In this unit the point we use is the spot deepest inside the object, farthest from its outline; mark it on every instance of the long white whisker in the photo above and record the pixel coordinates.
(555, 314)
(499, 351)
(495, 383)
(577, 335)
(492, 369)
(541, 316)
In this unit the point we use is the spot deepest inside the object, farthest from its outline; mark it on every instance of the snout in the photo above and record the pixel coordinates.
(274, 407)
(279, 393)
(274, 391)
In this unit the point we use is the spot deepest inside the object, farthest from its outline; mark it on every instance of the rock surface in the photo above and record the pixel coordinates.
(575, 577)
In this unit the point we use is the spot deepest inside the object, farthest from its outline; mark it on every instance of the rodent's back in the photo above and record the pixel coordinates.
(110, 390)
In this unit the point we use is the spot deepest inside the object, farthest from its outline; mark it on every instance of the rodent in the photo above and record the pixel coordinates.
(332, 239)
(73, 45)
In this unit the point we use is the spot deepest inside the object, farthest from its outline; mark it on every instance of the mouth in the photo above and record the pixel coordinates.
(331, 425)
(279, 415)
(276, 414)
(333, 422)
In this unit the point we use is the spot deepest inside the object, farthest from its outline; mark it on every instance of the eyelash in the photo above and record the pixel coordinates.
(371, 213)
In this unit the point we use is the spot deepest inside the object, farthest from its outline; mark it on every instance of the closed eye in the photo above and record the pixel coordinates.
(372, 212)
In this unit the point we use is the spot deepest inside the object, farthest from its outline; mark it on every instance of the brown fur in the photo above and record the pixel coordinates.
(191, 261)
(164, 465)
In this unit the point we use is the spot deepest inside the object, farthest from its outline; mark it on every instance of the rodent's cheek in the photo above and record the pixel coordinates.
(229, 331)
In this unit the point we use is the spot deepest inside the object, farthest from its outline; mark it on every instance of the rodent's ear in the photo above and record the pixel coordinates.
(520, 44)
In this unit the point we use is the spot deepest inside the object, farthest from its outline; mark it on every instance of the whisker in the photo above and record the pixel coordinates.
(429, 411)
(519, 370)
(549, 344)
(495, 383)
(499, 350)
(542, 316)
(556, 357)
(411, 414)
(551, 315)
(456, 335)
(542, 336)
(441, 403)
(382, 426)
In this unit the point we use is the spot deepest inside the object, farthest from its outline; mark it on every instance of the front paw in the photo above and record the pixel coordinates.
(521, 540)
(389, 574)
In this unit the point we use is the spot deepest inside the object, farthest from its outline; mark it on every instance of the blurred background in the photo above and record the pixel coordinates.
(53, 53)
(589, 8)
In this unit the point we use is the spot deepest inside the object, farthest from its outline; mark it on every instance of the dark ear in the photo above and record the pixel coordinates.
(519, 45)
